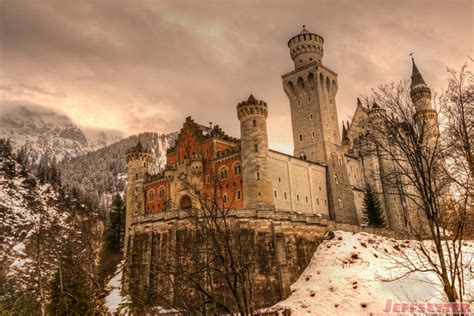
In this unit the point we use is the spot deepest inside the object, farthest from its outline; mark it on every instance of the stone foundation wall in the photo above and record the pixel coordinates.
(284, 242)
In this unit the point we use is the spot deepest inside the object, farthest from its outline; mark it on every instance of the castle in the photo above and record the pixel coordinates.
(326, 175)
(300, 196)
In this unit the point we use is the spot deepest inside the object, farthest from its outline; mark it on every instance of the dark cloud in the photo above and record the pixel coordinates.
(145, 65)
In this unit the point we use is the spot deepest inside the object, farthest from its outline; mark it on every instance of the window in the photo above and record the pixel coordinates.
(312, 134)
(297, 197)
(151, 195)
(301, 138)
(279, 179)
(161, 193)
(223, 173)
(275, 193)
(309, 99)
(341, 204)
(254, 123)
(256, 148)
(136, 176)
(237, 194)
(317, 201)
(336, 179)
(306, 199)
(208, 179)
(258, 175)
(299, 103)
(285, 195)
(237, 170)
(224, 198)
(311, 116)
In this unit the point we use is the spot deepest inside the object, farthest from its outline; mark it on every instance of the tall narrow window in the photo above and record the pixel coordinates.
(254, 123)
(285, 195)
(301, 138)
(238, 194)
(256, 148)
(136, 176)
(258, 175)
(275, 192)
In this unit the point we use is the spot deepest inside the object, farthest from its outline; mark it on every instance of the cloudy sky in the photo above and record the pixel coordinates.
(143, 65)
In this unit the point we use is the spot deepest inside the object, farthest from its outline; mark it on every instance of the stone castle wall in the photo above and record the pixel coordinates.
(284, 244)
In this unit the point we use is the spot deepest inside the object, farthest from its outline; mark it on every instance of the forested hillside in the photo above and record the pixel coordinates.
(102, 173)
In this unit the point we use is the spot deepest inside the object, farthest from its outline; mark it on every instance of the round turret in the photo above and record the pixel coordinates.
(258, 191)
(306, 48)
(138, 159)
(252, 107)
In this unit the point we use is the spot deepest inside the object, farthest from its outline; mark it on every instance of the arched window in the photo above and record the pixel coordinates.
(151, 195)
(257, 175)
(341, 204)
(185, 203)
(161, 192)
(237, 169)
(223, 172)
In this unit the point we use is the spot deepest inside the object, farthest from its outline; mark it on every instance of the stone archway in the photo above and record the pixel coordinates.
(185, 203)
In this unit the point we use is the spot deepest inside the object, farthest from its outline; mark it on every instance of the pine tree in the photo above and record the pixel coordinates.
(70, 294)
(113, 239)
(373, 212)
(115, 231)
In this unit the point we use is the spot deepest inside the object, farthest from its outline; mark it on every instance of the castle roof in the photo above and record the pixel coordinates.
(251, 99)
(416, 78)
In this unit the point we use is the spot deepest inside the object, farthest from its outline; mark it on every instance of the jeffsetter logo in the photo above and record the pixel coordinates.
(427, 308)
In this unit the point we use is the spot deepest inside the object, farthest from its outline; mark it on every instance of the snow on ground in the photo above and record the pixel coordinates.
(114, 300)
(353, 274)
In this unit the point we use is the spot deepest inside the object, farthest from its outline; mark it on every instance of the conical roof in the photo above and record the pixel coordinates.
(251, 99)
(416, 78)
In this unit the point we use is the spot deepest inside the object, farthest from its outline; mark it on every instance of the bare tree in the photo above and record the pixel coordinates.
(409, 137)
(212, 271)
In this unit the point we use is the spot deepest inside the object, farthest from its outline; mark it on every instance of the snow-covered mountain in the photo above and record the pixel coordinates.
(102, 173)
(48, 136)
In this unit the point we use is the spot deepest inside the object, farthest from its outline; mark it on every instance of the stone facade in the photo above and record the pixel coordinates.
(311, 89)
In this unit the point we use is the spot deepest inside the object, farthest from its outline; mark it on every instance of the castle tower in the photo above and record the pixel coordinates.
(258, 191)
(311, 89)
(382, 167)
(426, 117)
(138, 159)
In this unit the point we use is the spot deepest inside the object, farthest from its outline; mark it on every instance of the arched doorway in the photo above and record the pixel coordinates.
(185, 203)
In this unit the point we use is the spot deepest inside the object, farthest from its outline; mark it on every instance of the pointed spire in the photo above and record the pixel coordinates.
(251, 99)
(344, 131)
(416, 78)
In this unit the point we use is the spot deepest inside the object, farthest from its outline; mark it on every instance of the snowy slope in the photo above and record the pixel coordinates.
(46, 135)
(352, 274)
(35, 219)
